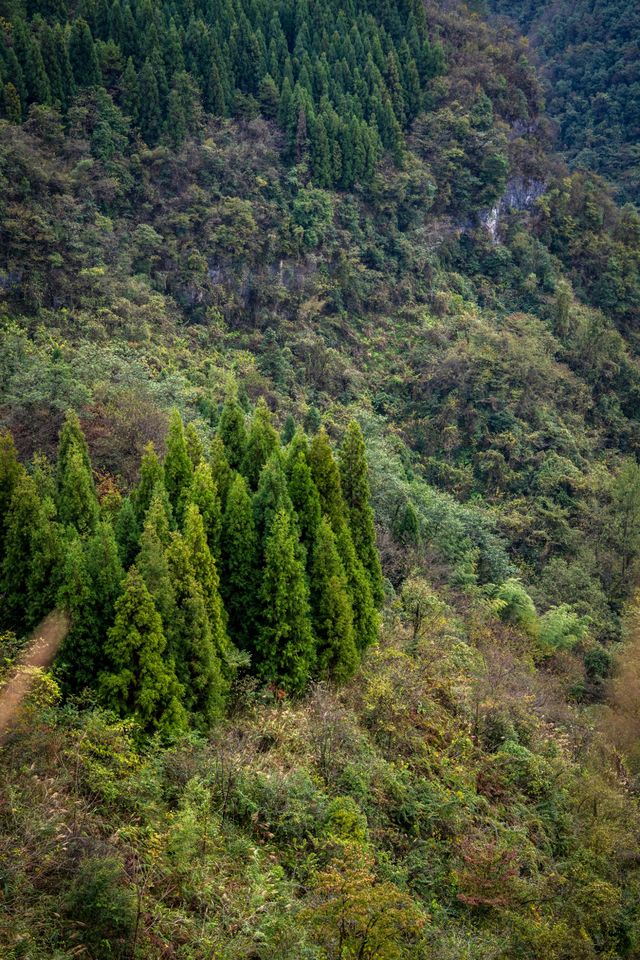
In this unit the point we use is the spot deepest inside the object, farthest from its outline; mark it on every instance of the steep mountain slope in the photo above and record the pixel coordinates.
(223, 225)
(590, 54)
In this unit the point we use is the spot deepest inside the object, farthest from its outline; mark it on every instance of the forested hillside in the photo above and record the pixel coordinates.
(590, 56)
(320, 419)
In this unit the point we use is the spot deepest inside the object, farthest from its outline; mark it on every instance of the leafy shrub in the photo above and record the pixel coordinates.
(560, 629)
(515, 605)
(102, 908)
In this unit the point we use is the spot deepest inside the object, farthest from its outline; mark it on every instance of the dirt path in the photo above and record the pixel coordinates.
(41, 650)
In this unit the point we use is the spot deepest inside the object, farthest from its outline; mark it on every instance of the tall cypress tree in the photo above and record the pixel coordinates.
(220, 470)
(239, 548)
(36, 75)
(140, 680)
(332, 613)
(127, 531)
(105, 570)
(178, 469)
(326, 476)
(354, 474)
(272, 495)
(195, 446)
(214, 92)
(285, 646)
(206, 573)
(76, 497)
(11, 105)
(269, 97)
(232, 431)
(68, 83)
(77, 503)
(92, 583)
(82, 54)
(303, 492)
(204, 495)
(51, 64)
(197, 665)
(76, 663)
(365, 615)
(175, 125)
(130, 88)
(72, 437)
(32, 560)
(153, 564)
(262, 442)
(321, 154)
(159, 515)
(288, 430)
(151, 474)
(150, 112)
(10, 473)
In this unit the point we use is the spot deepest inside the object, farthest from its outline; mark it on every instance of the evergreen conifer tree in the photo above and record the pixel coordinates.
(332, 613)
(220, 470)
(36, 75)
(15, 74)
(82, 54)
(151, 474)
(303, 492)
(72, 437)
(51, 64)
(92, 583)
(175, 125)
(68, 84)
(79, 655)
(214, 92)
(321, 155)
(130, 92)
(140, 680)
(127, 532)
(204, 495)
(32, 560)
(105, 570)
(77, 503)
(195, 446)
(239, 548)
(206, 573)
(190, 641)
(76, 498)
(153, 564)
(354, 474)
(232, 431)
(406, 526)
(262, 442)
(288, 430)
(272, 495)
(326, 476)
(150, 112)
(10, 473)
(269, 97)
(11, 106)
(365, 616)
(178, 468)
(285, 647)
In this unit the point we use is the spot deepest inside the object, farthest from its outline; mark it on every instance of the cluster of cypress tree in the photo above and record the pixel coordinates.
(343, 79)
(256, 546)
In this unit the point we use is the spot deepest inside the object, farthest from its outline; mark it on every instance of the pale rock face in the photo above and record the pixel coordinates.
(520, 194)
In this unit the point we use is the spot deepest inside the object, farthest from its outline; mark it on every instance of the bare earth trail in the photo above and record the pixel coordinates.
(40, 652)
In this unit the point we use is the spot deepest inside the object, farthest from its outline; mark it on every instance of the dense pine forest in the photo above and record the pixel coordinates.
(319, 432)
